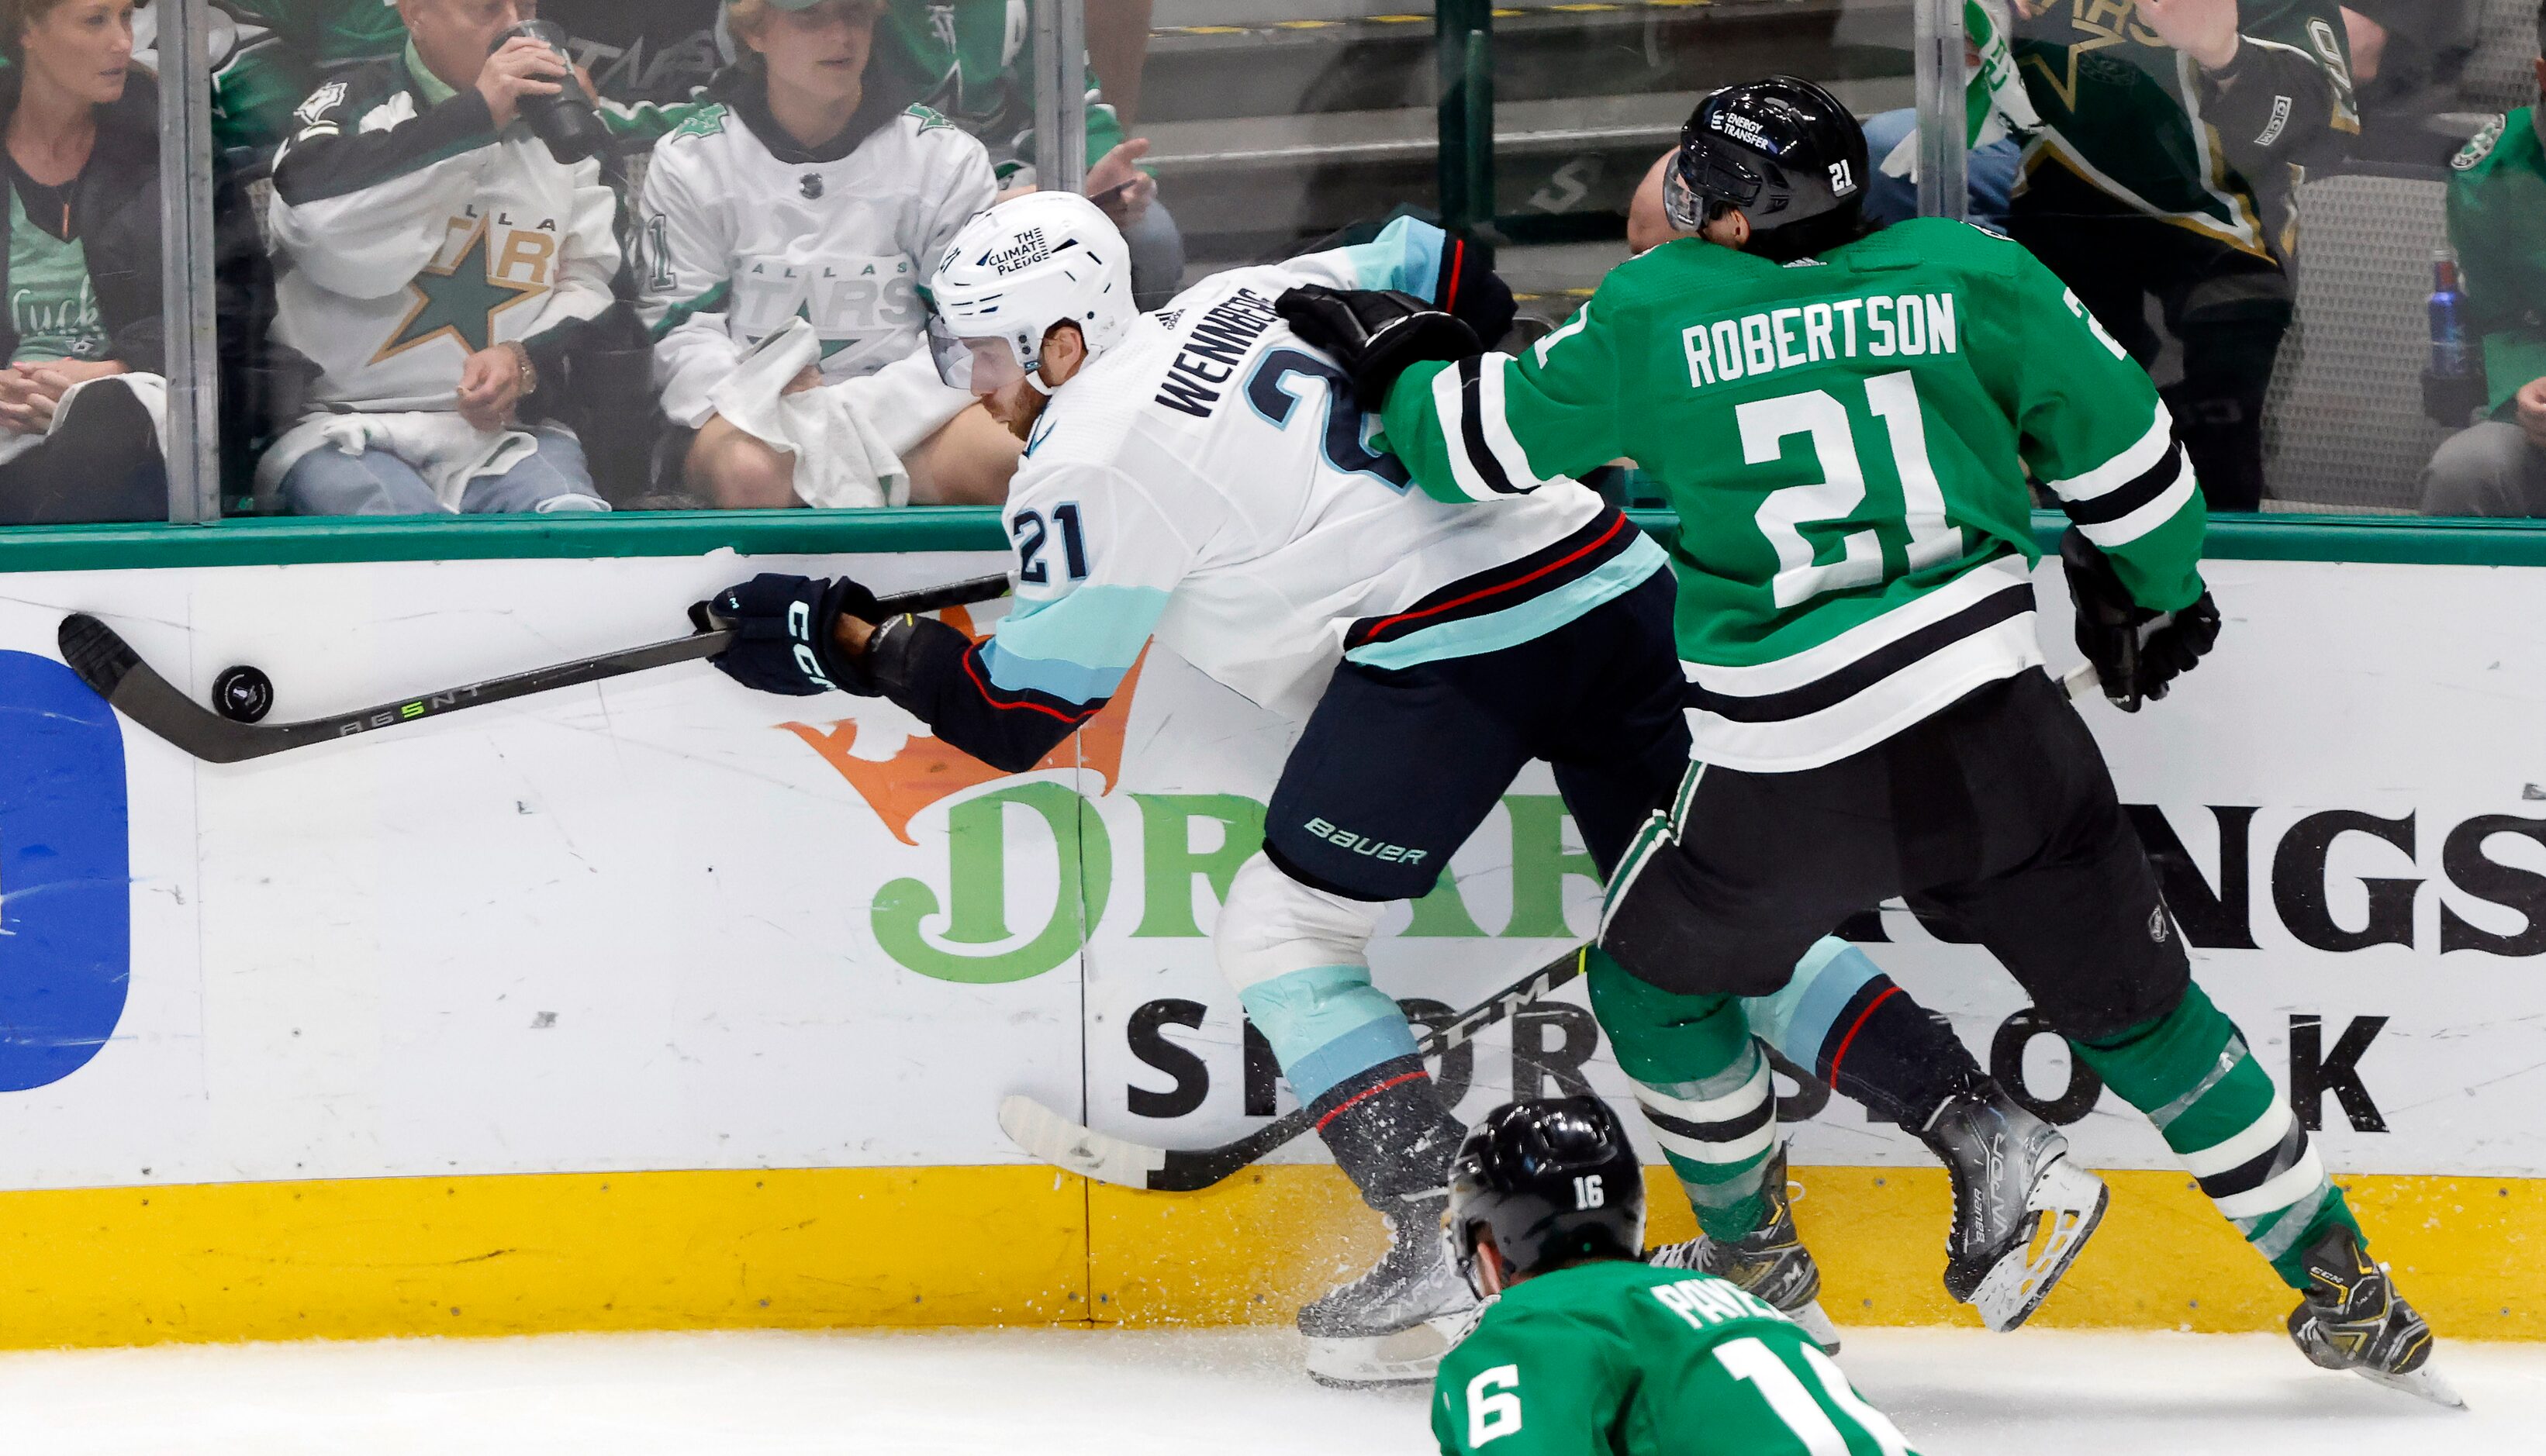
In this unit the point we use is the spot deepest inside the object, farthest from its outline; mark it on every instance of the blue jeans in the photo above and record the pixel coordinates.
(329, 482)
(1989, 174)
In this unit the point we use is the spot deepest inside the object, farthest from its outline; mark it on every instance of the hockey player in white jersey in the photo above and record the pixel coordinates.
(795, 195)
(1200, 476)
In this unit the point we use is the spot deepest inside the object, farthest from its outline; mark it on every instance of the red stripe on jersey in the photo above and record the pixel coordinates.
(1616, 525)
(973, 673)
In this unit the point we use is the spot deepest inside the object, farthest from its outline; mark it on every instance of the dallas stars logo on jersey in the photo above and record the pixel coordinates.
(459, 298)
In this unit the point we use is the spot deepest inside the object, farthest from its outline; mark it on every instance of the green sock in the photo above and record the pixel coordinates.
(1704, 1088)
(2190, 1072)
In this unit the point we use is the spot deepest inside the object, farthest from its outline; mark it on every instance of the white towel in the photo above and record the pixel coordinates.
(445, 449)
(848, 438)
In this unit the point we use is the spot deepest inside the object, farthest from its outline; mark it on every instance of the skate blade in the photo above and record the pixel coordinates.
(2427, 1382)
(1817, 1323)
(2071, 1201)
(1409, 1357)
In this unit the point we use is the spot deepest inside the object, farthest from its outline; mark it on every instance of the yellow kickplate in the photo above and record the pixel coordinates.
(364, 1258)
(827, 1247)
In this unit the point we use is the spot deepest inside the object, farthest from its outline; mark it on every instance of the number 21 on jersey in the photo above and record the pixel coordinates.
(1817, 415)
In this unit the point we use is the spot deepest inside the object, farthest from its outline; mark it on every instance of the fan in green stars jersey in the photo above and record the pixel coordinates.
(1844, 425)
(1589, 1350)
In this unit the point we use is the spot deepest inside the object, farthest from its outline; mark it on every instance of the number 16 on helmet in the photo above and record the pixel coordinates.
(1553, 1181)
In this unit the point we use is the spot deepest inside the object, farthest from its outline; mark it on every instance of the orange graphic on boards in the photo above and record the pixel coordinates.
(926, 770)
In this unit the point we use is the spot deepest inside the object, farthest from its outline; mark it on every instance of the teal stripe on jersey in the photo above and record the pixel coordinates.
(1407, 256)
(1075, 647)
(1797, 1019)
(1529, 620)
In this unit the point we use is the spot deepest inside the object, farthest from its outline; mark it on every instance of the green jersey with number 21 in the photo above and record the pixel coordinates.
(1846, 441)
(1614, 1358)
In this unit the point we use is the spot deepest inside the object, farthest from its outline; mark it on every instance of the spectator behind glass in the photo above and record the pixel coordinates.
(2498, 220)
(442, 268)
(78, 443)
(643, 56)
(2173, 135)
(2406, 58)
(807, 201)
(965, 58)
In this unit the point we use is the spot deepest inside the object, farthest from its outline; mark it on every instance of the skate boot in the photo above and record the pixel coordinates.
(1394, 1324)
(1394, 1137)
(1770, 1262)
(2023, 1209)
(2349, 1318)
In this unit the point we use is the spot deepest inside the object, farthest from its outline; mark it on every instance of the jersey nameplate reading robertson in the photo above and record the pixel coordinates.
(1779, 338)
(1211, 354)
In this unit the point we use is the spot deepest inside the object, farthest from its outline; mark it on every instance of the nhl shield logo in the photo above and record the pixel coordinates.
(2157, 926)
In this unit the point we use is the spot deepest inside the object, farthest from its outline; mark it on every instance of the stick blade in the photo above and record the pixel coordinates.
(92, 649)
(1051, 1138)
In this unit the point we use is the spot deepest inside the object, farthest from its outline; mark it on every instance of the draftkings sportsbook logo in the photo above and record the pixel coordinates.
(978, 929)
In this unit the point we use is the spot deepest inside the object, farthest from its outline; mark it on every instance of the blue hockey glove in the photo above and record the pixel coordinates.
(782, 634)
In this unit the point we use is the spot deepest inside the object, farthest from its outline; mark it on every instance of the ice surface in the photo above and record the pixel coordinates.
(1217, 1392)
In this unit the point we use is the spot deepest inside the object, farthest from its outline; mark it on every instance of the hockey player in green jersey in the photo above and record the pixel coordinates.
(1589, 1350)
(1844, 425)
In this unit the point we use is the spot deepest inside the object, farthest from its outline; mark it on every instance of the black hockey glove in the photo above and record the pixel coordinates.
(1374, 335)
(1471, 293)
(2138, 652)
(782, 633)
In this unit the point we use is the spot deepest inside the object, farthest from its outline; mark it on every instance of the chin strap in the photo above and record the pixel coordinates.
(1033, 379)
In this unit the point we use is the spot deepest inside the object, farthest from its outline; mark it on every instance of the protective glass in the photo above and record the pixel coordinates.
(983, 366)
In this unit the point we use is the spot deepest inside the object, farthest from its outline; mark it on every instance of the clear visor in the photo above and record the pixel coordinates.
(983, 366)
(1719, 178)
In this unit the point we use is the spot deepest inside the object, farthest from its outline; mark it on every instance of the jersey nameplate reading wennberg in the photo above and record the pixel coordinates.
(1846, 441)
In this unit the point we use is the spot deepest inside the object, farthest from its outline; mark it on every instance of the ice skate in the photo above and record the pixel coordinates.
(1770, 1262)
(1393, 1325)
(2349, 1318)
(2023, 1209)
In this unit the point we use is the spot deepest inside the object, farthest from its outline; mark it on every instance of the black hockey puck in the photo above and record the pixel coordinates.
(242, 694)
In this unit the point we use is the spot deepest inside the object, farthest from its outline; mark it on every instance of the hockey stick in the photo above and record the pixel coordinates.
(1057, 1140)
(107, 664)
(1054, 1139)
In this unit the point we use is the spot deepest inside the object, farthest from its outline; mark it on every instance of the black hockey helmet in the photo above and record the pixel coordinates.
(1782, 153)
(1554, 1179)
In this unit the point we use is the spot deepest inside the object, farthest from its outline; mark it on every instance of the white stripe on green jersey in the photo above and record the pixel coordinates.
(1846, 442)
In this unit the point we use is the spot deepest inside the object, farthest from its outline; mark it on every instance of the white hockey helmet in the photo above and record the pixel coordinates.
(1015, 271)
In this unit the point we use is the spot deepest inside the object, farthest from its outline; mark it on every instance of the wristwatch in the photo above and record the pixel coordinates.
(530, 371)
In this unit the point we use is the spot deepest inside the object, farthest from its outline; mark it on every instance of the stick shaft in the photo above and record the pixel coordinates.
(110, 666)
